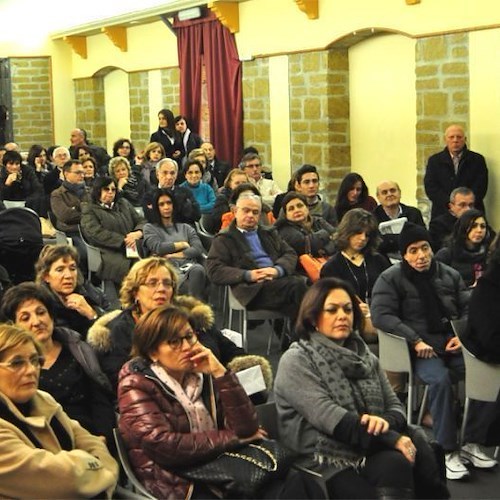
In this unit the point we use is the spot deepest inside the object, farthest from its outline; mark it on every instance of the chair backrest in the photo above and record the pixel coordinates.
(14, 203)
(394, 353)
(482, 380)
(141, 492)
(233, 302)
(459, 326)
(205, 237)
(94, 258)
(267, 414)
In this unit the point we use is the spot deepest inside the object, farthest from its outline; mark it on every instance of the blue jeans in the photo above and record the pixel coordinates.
(440, 374)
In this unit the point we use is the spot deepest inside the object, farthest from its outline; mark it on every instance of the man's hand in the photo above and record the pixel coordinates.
(263, 274)
(424, 350)
(453, 345)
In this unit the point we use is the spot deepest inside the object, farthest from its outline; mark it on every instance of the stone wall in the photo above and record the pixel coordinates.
(319, 114)
(90, 109)
(139, 109)
(442, 84)
(31, 113)
(256, 107)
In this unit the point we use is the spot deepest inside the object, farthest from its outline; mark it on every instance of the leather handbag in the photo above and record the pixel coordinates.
(312, 265)
(244, 472)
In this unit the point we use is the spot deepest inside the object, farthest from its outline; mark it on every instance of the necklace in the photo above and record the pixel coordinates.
(359, 281)
(353, 257)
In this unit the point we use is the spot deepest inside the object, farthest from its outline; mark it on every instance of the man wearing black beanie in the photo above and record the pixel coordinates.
(416, 299)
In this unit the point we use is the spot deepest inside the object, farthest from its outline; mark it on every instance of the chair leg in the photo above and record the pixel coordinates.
(495, 455)
(243, 329)
(464, 422)
(270, 339)
(423, 405)
(409, 403)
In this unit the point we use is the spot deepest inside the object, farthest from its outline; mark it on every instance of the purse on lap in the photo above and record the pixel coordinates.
(244, 472)
(311, 265)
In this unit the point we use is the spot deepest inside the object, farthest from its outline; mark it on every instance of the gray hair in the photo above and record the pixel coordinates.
(464, 191)
(248, 196)
(167, 160)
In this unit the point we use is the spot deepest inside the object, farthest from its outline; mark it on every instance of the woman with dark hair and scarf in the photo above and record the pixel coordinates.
(467, 248)
(337, 410)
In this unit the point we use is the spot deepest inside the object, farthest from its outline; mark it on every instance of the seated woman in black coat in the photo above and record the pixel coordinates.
(303, 232)
(467, 249)
(76, 303)
(19, 182)
(71, 372)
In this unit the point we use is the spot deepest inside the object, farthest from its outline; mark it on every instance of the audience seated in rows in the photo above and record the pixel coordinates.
(178, 242)
(71, 372)
(256, 262)
(416, 299)
(337, 411)
(390, 208)
(113, 225)
(44, 453)
(150, 284)
(188, 208)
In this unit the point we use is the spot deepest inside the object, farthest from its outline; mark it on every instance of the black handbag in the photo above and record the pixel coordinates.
(244, 472)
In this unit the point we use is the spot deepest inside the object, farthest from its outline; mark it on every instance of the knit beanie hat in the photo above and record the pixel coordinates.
(410, 234)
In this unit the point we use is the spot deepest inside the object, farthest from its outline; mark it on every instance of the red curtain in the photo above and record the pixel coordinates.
(209, 41)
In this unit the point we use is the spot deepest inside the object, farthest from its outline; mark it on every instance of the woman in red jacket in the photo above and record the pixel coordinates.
(178, 405)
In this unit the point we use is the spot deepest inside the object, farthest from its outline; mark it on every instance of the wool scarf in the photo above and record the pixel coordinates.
(189, 396)
(349, 375)
(435, 312)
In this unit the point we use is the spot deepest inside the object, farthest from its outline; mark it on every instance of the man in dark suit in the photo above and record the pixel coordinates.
(389, 208)
(455, 166)
(218, 168)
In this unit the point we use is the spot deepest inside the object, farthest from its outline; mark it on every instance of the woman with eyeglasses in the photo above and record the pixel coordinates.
(178, 405)
(43, 452)
(112, 224)
(467, 248)
(71, 373)
(337, 410)
(150, 284)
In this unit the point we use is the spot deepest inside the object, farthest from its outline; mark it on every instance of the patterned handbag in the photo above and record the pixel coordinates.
(244, 472)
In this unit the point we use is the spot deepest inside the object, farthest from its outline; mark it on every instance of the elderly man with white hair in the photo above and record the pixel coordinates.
(256, 262)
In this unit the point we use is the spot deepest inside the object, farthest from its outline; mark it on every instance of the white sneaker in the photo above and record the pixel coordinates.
(473, 454)
(455, 469)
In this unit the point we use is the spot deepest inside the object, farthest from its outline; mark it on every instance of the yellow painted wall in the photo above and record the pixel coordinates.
(117, 106)
(485, 111)
(383, 112)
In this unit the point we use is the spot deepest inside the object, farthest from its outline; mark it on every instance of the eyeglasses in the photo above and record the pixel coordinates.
(21, 364)
(154, 283)
(176, 343)
(335, 309)
(385, 192)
